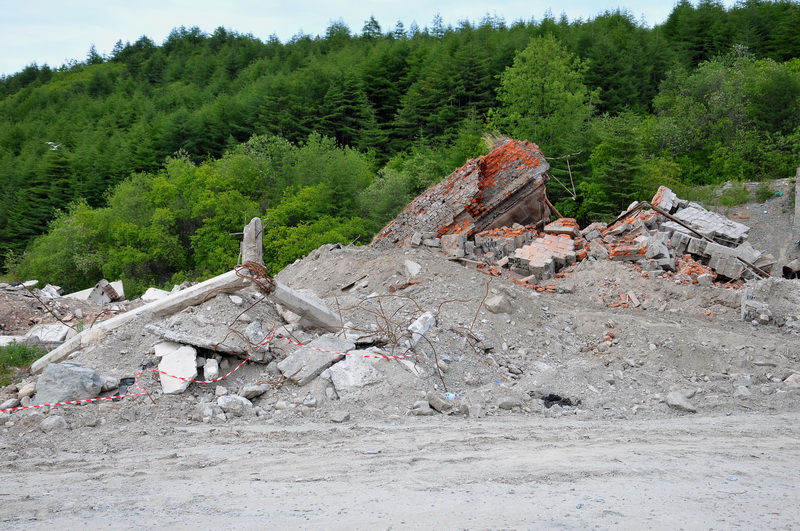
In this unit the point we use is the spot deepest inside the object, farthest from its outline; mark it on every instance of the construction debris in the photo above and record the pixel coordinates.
(506, 186)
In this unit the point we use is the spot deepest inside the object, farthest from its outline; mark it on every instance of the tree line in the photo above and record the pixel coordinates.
(140, 164)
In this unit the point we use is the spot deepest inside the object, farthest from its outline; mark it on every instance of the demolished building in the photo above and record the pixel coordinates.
(506, 186)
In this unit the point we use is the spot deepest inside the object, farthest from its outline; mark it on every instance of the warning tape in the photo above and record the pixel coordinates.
(266, 341)
(70, 402)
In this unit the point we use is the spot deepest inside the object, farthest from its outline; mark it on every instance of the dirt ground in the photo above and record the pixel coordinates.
(614, 455)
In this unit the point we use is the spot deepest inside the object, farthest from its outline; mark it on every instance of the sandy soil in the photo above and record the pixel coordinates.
(693, 472)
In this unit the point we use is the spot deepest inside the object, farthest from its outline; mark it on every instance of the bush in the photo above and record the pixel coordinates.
(16, 356)
(763, 192)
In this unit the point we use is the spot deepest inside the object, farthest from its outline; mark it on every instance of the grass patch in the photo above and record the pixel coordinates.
(16, 356)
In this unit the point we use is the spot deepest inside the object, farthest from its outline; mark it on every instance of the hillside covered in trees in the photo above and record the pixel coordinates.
(140, 165)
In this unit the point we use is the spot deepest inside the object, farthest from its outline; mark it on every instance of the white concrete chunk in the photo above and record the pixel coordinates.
(179, 363)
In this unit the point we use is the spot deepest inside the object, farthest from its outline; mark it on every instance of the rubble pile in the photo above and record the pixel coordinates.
(417, 324)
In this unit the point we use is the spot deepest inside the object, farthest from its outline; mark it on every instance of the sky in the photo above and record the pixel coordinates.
(53, 32)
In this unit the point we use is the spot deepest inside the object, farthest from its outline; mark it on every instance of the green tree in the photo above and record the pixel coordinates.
(543, 99)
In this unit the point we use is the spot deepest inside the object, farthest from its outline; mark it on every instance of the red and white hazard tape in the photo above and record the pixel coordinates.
(145, 392)
(20, 408)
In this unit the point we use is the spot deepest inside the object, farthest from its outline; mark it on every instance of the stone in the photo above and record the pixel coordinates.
(305, 364)
(353, 373)
(65, 382)
(793, 381)
(252, 391)
(211, 369)
(509, 402)
(162, 348)
(234, 404)
(29, 389)
(237, 300)
(677, 400)
(339, 416)
(412, 268)
(498, 304)
(742, 392)
(109, 383)
(180, 363)
(422, 409)
(438, 403)
(53, 423)
(10, 403)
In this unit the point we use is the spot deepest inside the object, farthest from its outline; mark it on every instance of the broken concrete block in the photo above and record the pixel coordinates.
(704, 280)
(677, 400)
(180, 363)
(416, 239)
(453, 245)
(305, 364)
(353, 373)
(52, 333)
(499, 304)
(211, 369)
(412, 268)
(438, 403)
(65, 382)
(234, 405)
(154, 294)
(253, 242)
(311, 308)
(420, 327)
(567, 226)
(184, 338)
(432, 242)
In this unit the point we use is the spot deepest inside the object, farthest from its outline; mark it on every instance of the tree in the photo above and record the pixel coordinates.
(543, 99)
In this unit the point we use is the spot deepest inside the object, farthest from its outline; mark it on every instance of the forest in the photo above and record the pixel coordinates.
(144, 164)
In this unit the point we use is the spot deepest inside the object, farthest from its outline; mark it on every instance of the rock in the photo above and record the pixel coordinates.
(53, 423)
(252, 391)
(353, 373)
(422, 409)
(29, 389)
(412, 268)
(793, 381)
(438, 403)
(220, 391)
(704, 280)
(211, 369)
(742, 392)
(180, 363)
(677, 400)
(509, 402)
(108, 383)
(10, 403)
(498, 304)
(234, 404)
(65, 382)
(339, 416)
(305, 364)
(237, 300)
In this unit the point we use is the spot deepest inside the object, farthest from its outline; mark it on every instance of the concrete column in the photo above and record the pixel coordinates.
(253, 242)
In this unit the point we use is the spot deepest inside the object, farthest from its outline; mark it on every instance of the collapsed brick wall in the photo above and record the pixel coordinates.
(506, 186)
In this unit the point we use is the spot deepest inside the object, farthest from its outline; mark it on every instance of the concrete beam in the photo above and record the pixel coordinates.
(311, 310)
